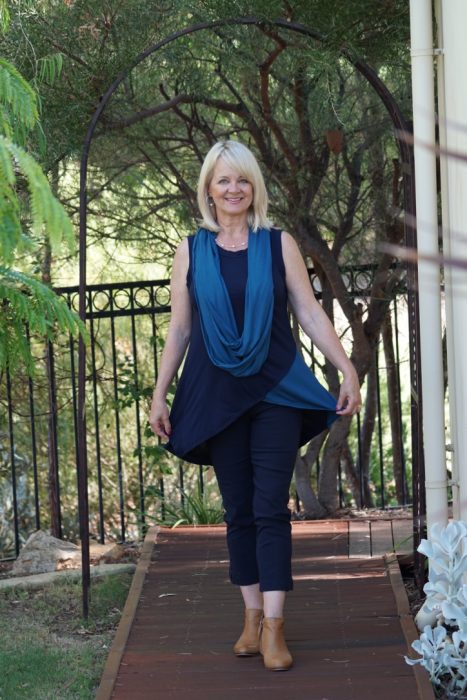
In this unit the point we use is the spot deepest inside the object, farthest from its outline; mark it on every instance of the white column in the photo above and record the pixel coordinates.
(454, 18)
(448, 289)
(421, 33)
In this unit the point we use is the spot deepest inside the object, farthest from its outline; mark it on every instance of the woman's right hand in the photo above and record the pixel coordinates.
(159, 418)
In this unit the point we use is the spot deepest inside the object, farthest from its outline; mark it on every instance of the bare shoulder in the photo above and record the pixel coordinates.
(290, 250)
(181, 264)
(287, 237)
(182, 252)
(182, 255)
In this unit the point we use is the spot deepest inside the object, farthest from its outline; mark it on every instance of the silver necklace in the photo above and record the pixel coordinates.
(232, 247)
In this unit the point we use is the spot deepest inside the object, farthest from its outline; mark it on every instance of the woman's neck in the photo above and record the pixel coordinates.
(233, 235)
(234, 227)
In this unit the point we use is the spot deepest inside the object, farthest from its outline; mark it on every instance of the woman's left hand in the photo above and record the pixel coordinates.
(350, 399)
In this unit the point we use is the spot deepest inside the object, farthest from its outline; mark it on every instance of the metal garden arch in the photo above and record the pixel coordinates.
(405, 151)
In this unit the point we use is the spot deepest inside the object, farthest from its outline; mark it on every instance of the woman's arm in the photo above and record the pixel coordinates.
(316, 324)
(178, 337)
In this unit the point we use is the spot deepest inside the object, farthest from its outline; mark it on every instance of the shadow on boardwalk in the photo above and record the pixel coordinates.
(342, 626)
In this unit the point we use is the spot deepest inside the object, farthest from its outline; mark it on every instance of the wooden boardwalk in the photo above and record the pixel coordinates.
(375, 538)
(343, 626)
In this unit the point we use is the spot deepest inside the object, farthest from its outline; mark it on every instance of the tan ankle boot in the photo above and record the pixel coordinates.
(276, 656)
(248, 642)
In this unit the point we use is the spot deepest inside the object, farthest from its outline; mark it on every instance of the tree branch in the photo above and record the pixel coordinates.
(149, 112)
(264, 71)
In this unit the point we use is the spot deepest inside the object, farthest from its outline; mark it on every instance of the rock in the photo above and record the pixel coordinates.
(115, 554)
(98, 552)
(112, 553)
(43, 553)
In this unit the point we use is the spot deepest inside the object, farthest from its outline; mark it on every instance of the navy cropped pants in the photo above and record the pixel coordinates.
(253, 460)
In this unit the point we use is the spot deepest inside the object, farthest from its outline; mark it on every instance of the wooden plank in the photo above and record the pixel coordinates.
(359, 539)
(403, 536)
(112, 665)
(425, 689)
(381, 537)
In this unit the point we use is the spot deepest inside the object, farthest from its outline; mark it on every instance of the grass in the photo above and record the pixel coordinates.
(47, 649)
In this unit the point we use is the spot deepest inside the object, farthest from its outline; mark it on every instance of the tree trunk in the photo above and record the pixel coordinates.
(366, 435)
(312, 509)
(348, 462)
(327, 483)
(394, 408)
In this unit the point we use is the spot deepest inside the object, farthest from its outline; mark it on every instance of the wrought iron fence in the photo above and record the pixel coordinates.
(131, 477)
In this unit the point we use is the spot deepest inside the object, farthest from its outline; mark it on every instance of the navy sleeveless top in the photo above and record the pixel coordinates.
(208, 399)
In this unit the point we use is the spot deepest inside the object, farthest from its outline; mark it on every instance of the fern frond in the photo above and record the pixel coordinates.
(49, 68)
(27, 303)
(6, 168)
(19, 98)
(47, 213)
(10, 226)
(4, 16)
(14, 347)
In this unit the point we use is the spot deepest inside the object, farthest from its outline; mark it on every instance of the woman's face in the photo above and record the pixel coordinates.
(231, 192)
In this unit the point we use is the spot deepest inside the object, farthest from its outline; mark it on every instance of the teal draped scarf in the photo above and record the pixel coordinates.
(242, 355)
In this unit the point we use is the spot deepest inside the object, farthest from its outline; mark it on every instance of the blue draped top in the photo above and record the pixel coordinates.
(209, 398)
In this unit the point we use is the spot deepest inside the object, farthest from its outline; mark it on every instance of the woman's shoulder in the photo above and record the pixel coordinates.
(288, 241)
(182, 256)
(183, 248)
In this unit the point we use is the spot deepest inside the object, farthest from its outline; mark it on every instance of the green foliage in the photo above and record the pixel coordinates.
(4, 15)
(19, 171)
(49, 68)
(47, 214)
(28, 306)
(131, 392)
(194, 509)
(156, 457)
(18, 103)
(151, 203)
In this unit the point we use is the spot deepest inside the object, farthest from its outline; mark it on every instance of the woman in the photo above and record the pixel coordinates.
(246, 400)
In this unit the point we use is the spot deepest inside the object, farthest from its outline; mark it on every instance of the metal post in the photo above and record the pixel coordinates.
(54, 477)
(12, 461)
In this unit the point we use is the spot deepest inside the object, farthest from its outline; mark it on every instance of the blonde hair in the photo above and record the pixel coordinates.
(241, 159)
